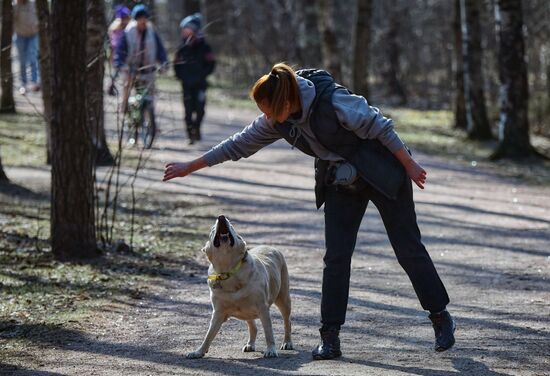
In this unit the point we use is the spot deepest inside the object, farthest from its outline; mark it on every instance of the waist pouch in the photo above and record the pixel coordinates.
(341, 173)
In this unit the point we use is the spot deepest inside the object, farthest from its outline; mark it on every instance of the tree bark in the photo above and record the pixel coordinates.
(361, 49)
(213, 15)
(3, 176)
(514, 94)
(460, 104)
(95, 53)
(72, 208)
(310, 41)
(7, 103)
(44, 34)
(330, 48)
(190, 7)
(478, 127)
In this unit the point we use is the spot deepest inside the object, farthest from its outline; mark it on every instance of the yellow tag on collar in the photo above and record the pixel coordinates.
(227, 275)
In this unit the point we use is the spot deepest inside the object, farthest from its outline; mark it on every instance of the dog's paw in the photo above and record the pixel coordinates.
(249, 348)
(287, 346)
(195, 355)
(271, 352)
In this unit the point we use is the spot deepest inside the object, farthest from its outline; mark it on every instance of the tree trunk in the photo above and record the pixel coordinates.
(361, 49)
(214, 16)
(478, 127)
(331, 51)
(309, 42)
(3, 176)
(72, 208)
(95, 53)
(44, 34)
(460, 104)
(7, 103)
(393, 74)
(514, 94)
(190, 7)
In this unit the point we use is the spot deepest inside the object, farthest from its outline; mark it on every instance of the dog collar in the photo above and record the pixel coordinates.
(227, 275)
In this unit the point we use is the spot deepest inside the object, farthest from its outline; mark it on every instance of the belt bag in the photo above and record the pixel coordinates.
(341, 173)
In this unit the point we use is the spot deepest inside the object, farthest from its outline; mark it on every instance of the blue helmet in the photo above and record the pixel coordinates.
(140, 10)
(193, 22)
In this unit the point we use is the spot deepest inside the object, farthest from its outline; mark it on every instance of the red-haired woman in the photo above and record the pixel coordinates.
(359, 158)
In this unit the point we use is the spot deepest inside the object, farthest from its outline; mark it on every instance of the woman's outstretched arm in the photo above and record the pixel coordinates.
(241, 145)
(179, 170)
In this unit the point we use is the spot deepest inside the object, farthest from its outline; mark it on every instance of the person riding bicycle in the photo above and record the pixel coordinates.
(139, 51)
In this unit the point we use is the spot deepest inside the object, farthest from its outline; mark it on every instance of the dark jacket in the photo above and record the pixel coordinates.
(374, 162)
(193, 62)
(334, 125)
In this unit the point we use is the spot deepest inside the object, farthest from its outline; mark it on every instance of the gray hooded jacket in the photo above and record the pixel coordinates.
(353, 112)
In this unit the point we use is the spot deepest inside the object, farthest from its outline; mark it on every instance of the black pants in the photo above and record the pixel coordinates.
(194, 101)
(344, 210)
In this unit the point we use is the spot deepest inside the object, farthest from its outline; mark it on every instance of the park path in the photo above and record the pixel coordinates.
(488, 236)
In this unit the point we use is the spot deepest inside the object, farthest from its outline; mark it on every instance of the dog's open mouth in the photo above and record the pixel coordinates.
(223, 234)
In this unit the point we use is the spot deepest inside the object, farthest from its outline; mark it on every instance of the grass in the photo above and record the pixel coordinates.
(23, 140)
(219, 93)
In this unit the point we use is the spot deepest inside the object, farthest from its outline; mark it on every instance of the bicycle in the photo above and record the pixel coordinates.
(139, 117)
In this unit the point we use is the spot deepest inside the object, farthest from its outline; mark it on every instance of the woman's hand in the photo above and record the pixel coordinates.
(179, 170)
(176, 170)
(416, 173)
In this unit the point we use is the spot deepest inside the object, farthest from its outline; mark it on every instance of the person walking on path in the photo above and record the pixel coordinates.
(359, 158)
(193, 62)
(25, 23)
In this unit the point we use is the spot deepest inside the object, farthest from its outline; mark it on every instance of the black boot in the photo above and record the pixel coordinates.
(329, 347)
(191, 135)
(197, 128)
(444, 328)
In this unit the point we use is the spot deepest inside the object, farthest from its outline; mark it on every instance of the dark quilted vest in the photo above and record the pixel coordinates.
(374, 162)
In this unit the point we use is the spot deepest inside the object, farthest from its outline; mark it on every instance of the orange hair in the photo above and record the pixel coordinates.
(277, 88)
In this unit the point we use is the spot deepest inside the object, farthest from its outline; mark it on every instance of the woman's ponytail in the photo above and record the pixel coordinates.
(277, 88)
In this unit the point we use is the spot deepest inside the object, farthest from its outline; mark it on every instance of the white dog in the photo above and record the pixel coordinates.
(244, 284)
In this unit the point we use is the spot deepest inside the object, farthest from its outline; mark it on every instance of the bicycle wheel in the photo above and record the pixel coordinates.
(131, 121)
(148, 125)
(129, 132)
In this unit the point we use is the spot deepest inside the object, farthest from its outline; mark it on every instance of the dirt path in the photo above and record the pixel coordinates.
(489, 238)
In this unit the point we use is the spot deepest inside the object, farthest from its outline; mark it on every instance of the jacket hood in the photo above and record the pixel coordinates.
(307, 95)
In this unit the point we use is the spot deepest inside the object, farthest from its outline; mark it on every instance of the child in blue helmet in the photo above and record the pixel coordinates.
(193, 62)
